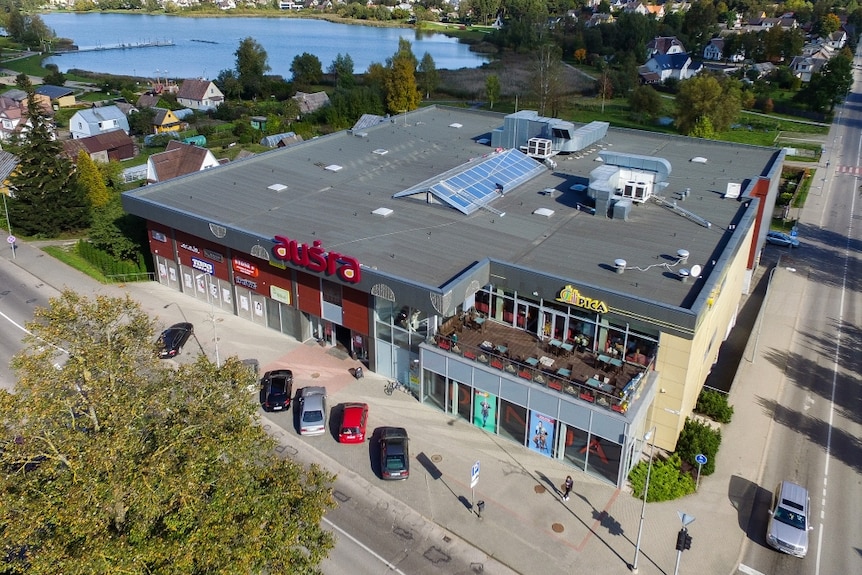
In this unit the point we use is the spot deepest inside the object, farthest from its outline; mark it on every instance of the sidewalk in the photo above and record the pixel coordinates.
(525, 525)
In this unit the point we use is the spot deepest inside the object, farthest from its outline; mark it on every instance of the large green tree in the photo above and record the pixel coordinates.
(113, 463)
(251, 67)
(705, 95)
(306, 69)
(830, 85)
(342, 69)
(46, 196)
(92, 180)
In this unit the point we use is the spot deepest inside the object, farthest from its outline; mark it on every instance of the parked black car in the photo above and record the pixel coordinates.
(172, 340)
(277, 390)
(394, 455)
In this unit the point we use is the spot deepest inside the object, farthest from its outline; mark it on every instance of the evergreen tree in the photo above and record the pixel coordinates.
(90, 178)
(46, 196)
(342, 69)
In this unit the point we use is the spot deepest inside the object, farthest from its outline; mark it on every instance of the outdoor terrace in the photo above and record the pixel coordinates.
(567, 367)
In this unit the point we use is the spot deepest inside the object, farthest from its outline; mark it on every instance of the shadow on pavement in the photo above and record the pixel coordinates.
(751, 502)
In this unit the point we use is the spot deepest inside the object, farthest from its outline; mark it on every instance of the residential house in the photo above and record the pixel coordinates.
(311, 102)
(199, 94)
(714, 50)
(837, 39)
(636, 8)
(656, 12)
(177, 160)
(12, 117)
(166, 121)
(786, 22)
(679, 66)
(599, 18)
(94, 121)
(59, 96)
(20, 97)
(148, 100)
(804, 67)
(115, 145)
(8, 163)
(664, 45)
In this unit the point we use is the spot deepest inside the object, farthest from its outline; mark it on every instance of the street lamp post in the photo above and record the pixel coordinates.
(212, 314)
(8, 225)
(648, 438)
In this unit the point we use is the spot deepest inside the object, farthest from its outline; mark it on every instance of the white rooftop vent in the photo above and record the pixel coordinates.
(544, 212)
(733, 190)
(699, 160)
(682, 255)
(695, 271)
(334, 168)
(277, 187)
(683, 275)
(456, 125)
(380, 152)
(385, 212)
(360, 134)
(620, 264)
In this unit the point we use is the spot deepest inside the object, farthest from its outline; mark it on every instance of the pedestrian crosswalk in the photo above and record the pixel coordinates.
(855, 170)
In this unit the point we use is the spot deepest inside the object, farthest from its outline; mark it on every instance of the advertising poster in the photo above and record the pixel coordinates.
(485, 411)
(541, 433)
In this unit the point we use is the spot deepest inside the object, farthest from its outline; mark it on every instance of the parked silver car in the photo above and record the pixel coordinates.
(312, 411)
(788, 519)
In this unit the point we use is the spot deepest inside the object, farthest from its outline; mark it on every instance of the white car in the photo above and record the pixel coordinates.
(312, 411)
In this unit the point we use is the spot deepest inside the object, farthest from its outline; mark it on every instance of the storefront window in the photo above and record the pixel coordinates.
(435, 389)
(383, 310)
(604, 458)
(485, 411)
(542, 433)
(575, 446)
(639, 350)
(513, 421)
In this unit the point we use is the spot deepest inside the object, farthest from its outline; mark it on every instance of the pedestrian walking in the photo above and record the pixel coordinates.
(567, 487)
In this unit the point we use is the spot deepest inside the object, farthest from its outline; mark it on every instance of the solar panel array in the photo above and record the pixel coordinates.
(479, 184)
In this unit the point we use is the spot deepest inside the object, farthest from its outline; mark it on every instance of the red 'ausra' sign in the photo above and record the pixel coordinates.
(315, 259)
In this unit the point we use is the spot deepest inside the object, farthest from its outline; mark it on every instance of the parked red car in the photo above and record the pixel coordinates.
(353, 423)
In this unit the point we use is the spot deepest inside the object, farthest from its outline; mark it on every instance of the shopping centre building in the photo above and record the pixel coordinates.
(565, 286)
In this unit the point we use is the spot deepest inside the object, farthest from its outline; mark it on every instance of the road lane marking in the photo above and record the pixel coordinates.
(370, 551)
(748, 570)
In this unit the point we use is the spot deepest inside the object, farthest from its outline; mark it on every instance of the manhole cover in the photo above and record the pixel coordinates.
(436, 458)
(558, 527)
(539, 489)
(315, 375)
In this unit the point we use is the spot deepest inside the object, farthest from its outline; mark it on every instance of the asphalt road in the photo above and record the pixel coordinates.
(816, 427)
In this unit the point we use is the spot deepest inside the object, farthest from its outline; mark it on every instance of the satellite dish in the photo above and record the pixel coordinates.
(695, 271)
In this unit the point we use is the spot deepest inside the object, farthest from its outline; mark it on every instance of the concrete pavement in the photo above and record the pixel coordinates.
(525, 526)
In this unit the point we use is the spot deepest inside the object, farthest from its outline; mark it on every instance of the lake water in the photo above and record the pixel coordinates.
(205, 46)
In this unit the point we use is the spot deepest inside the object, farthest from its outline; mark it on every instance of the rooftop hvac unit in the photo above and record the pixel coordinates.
(622, 209)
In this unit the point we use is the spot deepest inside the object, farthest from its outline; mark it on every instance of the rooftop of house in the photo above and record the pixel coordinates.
(329, 188)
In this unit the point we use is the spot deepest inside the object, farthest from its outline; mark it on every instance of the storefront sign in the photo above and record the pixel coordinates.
(190, 248)
(203, 266)
(159, 236)
(241, 281)
(244, 267)
(213, 255)
(315, 259)
(573, 297)
(279, 294)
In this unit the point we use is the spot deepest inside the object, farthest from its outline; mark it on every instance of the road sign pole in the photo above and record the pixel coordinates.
(697, 484)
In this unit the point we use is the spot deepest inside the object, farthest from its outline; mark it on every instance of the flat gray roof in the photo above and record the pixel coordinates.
(333, 183)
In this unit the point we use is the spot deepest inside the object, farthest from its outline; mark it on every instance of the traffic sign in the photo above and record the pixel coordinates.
(700, 459)
(11, 239)
(474, 475)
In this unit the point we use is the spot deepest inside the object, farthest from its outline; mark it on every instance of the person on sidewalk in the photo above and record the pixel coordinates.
(567, 487)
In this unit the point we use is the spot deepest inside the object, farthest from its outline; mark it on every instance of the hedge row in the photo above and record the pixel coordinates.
(108, 265)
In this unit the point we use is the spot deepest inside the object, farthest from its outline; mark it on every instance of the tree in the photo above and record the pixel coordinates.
(113, 231)
(54, 77)
(46, 196)
(705, 96)
(307, 70)
(342, 69)
(122, 465)
(251, 65)
(604, 87)
(580, 55)
(492, 89)
(546, 81)
(645, 102)
(830, 85)
(402, 95)
(429, 78)
(829, 24)
(92, 181)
